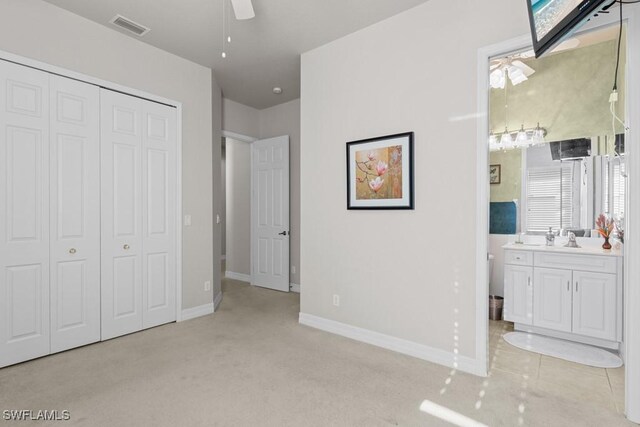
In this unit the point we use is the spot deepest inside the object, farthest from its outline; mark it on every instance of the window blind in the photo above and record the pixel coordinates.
(550, 198)
(617, 190)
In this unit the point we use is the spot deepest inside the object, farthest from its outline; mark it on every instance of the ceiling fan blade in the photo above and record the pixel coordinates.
(524, 67)
(243, 9)
(497, 79)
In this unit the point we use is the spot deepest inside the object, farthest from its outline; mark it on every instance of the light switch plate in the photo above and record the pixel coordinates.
(217, 219)
(187, 220)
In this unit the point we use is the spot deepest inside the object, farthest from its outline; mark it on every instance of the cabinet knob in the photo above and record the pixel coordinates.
(126, 247)
(72, 251)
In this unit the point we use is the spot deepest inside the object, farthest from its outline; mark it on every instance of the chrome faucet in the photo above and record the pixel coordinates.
(550, 237)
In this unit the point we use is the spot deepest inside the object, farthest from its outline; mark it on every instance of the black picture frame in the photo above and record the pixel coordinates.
(406, 203)
(492, 177)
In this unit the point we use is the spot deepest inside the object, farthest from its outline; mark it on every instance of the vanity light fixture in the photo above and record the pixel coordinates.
(506, 140)
(522, 138)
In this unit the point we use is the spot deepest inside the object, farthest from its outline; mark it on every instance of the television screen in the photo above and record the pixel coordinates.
(570, 149)
(553, 20)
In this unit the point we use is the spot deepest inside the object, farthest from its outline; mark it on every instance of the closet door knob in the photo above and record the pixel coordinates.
(72, 250)
(126, 247)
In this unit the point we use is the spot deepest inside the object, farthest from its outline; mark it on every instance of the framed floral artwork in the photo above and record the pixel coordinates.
(495, 174)
(380, 172)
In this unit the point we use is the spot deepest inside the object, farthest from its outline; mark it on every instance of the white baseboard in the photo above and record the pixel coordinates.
(199, 311)
(410, 348)
(294, 287)
(237, 276)
(216, 301)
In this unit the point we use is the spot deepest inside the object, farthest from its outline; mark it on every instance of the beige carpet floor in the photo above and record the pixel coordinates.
(252, 364)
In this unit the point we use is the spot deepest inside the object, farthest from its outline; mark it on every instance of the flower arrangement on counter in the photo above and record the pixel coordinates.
(605, 227)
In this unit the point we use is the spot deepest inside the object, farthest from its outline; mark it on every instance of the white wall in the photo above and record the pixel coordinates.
(240, 118)
(223, 201)
(496, 281)
(238, 190)
(38, 30)
(284, 119)
(406, 274)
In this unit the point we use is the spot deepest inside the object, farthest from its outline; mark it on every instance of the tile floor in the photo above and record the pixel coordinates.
(548, 375)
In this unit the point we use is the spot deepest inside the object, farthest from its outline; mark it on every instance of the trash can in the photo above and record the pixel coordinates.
(495, 307)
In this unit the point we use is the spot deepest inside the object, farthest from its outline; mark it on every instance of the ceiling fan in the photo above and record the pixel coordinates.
(243, 9)
(511, 67)
(517, 71)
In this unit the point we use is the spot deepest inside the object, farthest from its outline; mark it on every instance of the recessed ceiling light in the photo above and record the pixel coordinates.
(277, 90)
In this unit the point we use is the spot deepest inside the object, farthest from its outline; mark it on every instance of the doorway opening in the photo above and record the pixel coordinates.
(557, 164)
(256, 211)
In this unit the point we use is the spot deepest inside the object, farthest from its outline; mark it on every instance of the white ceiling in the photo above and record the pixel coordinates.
(265, 51)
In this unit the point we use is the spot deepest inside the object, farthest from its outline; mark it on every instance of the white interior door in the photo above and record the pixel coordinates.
(75, 213)
(121, 238)
(270, 213)
(159, 210)
(24, 213)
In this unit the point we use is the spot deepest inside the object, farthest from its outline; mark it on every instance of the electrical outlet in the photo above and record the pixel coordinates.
(293, 270)
(187, 220)
(336, 300)
(207, 285)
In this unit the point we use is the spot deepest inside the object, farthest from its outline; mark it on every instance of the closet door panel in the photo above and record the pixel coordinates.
(24, 207)
(159, 201)
(75, 213)
(122, 214)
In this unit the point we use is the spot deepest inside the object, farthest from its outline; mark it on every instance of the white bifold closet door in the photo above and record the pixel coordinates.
(50, 222)
(138, 214)
(75, 213)
(24, 213)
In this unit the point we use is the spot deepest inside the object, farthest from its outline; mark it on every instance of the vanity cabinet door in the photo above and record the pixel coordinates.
(552, 293)
(518, 294)
(594, 304)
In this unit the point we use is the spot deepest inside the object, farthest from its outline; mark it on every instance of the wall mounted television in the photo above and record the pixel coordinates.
(553, 20)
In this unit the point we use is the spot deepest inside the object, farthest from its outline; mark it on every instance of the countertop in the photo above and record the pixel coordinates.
(559, 248)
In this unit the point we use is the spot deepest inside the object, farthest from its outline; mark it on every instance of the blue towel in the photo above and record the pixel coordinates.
(502, 217)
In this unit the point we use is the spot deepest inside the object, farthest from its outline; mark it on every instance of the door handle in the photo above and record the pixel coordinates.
(72, 251)
(126, 247)
(529, 281)
(576, 286)
(284, 233)
(568, 284)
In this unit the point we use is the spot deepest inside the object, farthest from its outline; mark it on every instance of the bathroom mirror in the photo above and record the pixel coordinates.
(578, 171)
(564, 185)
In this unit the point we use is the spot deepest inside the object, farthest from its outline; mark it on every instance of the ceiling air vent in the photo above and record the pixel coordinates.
(129, 25)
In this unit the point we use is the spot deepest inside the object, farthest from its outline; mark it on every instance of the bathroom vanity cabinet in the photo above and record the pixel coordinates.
(574, 294)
